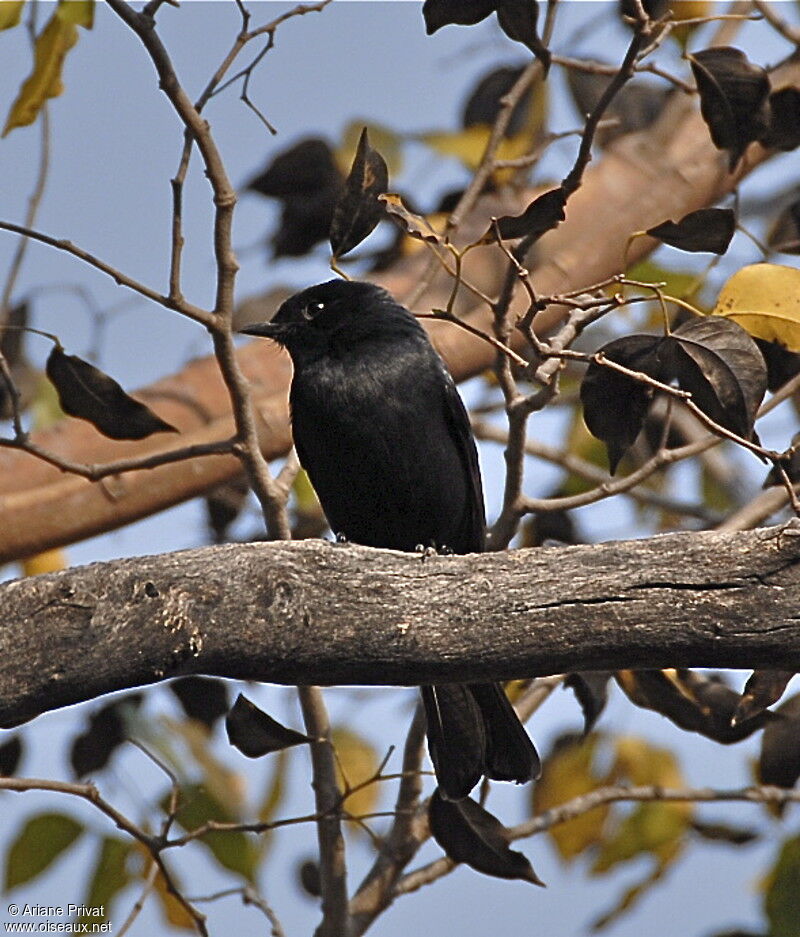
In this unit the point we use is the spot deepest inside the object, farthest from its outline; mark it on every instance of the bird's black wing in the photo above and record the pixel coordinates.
(461, 434)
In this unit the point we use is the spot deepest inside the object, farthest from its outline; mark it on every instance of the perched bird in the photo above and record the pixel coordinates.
(382, 432)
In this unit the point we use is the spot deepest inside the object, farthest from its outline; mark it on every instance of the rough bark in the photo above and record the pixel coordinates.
(645, 178)
(314, 612)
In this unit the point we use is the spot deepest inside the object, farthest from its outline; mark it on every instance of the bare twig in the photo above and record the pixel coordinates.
(333, 872)
(187, 309)
(605, 795)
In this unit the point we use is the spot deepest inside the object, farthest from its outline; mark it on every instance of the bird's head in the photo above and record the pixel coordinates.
(331, 315)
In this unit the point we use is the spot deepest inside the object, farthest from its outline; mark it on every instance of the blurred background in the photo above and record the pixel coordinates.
(114, 145)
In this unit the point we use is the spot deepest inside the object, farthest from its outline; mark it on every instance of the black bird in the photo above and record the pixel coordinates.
(382, 432)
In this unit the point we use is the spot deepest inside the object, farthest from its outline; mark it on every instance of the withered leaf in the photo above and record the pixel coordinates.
(784, 235)
(790, 465)
(779, 762)
(694, 702)
(543, 214)
(763, 688)
(415, 226)
(358, 210)
(224, 503)
(470, 834)
(201, 698)
(734, 98)
(255, 733)
(301, 169)
(86, 392)
(615, 405)
(438, 13)
(307, 182)
(635, 106)
(721, 367)
(483, 104)
(783, 132)
(591, 691)
(10, 755)
(707, 229)
(655, 9)
(105, 731)
(724, 833)
(518, 20)
(12, 346)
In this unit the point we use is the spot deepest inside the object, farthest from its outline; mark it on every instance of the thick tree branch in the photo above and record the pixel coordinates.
(643, 179)
(311, 611)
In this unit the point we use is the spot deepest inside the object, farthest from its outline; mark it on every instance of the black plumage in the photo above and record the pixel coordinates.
(382, 432)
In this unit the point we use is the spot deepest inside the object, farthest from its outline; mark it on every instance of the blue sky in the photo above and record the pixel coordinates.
(115, 144)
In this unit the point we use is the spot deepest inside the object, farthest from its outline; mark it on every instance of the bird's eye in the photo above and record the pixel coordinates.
(312, 310)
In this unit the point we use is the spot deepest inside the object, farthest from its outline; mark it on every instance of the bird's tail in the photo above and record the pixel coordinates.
(473, 730)
(510, 753)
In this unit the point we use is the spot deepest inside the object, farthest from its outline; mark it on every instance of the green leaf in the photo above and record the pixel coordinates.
(10, 13)
(232, 849)
(39, 843)
(109, 877)
(782, 900)
(44, 82)
(676, 282)
(764, 299)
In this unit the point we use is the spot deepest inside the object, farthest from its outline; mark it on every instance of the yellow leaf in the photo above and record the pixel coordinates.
(641, 763)
(226, 786)
(688, 10)
(305, 495)
(384, 140)
(10, 13)
(765, 300)
(276, 787)
(654, 828)
(357, 761)
(568, 773)
(49, 561)
(173, 911)
(466, 145)
(79, 12)
(44, 82)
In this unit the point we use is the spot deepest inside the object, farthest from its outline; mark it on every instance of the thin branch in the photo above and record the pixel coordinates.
(97, 472)
(409, 830)
(187, 309)
(272, 500)
(333, 871)
(578, 806)
(34, 201)
(790, 33)
(575, 465)
(91, 794)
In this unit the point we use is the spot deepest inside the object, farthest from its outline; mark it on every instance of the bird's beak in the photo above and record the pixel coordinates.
(273, 330)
